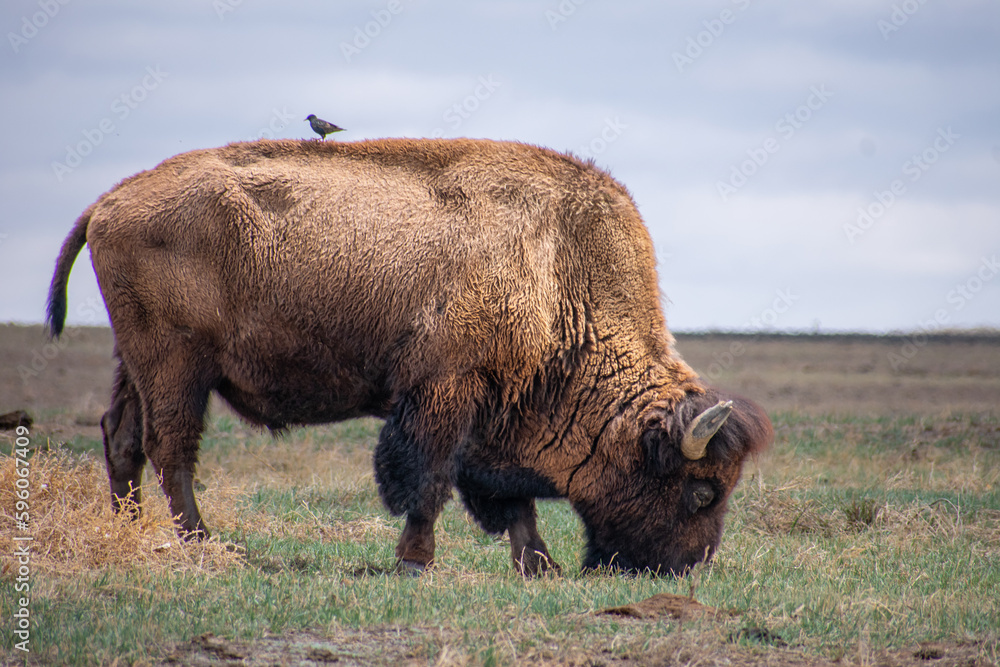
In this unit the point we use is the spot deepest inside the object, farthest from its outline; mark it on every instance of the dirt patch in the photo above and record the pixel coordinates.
(369, 647)
(667, 605)
(70, 375)
(407, 647)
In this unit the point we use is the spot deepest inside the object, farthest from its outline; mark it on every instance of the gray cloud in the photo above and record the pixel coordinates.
(237, 70)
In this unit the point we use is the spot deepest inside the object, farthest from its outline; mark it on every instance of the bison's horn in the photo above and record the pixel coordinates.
(703, 428)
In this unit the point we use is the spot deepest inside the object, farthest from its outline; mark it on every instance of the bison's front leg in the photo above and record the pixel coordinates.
(408, 487)
(527, 549)
(415, 550)
(414, 465)
(501, 497)
(517, 516)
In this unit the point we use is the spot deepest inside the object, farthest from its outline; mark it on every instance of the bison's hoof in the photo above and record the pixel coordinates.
(536, 564)
(193, 535)
(410, 568)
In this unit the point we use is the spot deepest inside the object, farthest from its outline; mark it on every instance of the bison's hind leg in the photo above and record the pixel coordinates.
(122, 429)
(174, 378)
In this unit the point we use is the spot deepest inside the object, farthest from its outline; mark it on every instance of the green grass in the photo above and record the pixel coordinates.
(851, 532)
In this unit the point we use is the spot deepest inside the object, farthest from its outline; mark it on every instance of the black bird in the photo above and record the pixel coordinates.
(321, 127)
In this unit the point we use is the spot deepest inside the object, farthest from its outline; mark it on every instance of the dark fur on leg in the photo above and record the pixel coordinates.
(503, 500)
(122, 429)
(173, 412)
(414, 468)
(528, 551)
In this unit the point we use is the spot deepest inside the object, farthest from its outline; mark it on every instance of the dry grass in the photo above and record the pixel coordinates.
(74, 529)
(791, 510)
(71, 516)
(781, 511)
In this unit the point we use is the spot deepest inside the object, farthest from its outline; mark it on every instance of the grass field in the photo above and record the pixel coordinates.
(868, 534)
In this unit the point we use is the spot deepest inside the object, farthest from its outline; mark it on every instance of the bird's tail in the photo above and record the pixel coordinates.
(56, 315)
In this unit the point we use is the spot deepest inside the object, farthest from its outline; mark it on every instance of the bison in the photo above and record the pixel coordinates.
(495, 302)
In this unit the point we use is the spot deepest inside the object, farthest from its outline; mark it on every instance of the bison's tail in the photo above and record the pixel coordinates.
(56, 315)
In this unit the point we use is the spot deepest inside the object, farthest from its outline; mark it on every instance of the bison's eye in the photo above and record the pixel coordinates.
(699, 495)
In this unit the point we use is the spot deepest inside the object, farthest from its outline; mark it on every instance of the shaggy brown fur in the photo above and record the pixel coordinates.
(496, 302)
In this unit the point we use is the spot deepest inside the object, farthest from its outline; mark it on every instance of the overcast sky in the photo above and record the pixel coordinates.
(832, 164)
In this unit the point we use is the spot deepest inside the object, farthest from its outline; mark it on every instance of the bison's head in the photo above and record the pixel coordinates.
(662, 509)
